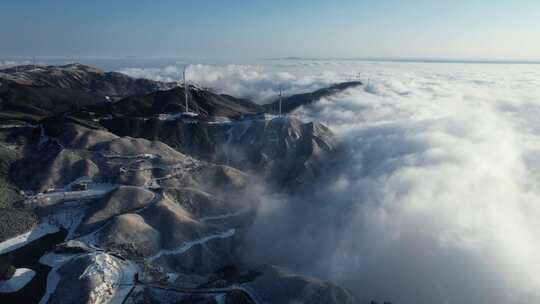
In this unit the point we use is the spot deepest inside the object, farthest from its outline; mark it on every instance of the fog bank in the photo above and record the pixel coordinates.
(438, 197)
(437, 200)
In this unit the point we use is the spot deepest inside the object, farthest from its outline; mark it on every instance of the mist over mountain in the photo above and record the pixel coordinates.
(437, 197)
(405, 183)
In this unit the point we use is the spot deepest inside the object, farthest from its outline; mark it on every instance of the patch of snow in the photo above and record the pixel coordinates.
(117, 277)
(263, 116)
(184, 116)
(55, 259)
(143, 156)
(25, 238)
(222, 216)
(56, 196)
(12, 126)
(69, 219)
(108, 271)
(171, 277)
(190, 114)
(220, 119)
(21, 277)
(188, 245)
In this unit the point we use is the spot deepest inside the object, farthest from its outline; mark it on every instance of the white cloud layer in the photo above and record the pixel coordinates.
(438, 200)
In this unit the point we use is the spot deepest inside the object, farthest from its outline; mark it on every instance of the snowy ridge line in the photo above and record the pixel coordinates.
(62, 195)
(223, 216)
(114, 276)
(179, 165)
(103, 267)
(47, 199)
(118, 276)
(184, 116)
(188, 245)
(13, 126)
(136, 156)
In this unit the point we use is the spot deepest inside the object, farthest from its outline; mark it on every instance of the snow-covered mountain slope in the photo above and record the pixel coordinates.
(151, 210)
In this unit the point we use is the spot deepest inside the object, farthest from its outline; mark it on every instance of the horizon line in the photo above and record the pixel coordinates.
(299, 58)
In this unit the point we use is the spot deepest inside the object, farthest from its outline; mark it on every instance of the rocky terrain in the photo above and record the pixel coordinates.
(111, 193)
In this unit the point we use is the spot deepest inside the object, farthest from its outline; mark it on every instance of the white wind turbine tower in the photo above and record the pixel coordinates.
(279, 100)
(186, 88)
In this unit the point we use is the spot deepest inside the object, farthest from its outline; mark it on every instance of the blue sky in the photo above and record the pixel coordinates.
(473, 29)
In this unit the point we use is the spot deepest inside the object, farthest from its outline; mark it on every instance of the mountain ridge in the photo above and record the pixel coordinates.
(150, 205)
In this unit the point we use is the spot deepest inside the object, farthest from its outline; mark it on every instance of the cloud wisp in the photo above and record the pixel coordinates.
(256, 82)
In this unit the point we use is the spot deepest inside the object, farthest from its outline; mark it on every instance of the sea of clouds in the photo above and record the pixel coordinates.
(438, 197)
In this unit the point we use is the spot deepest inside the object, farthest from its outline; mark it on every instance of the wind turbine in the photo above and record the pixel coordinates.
(279, 100)
(186, 88)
